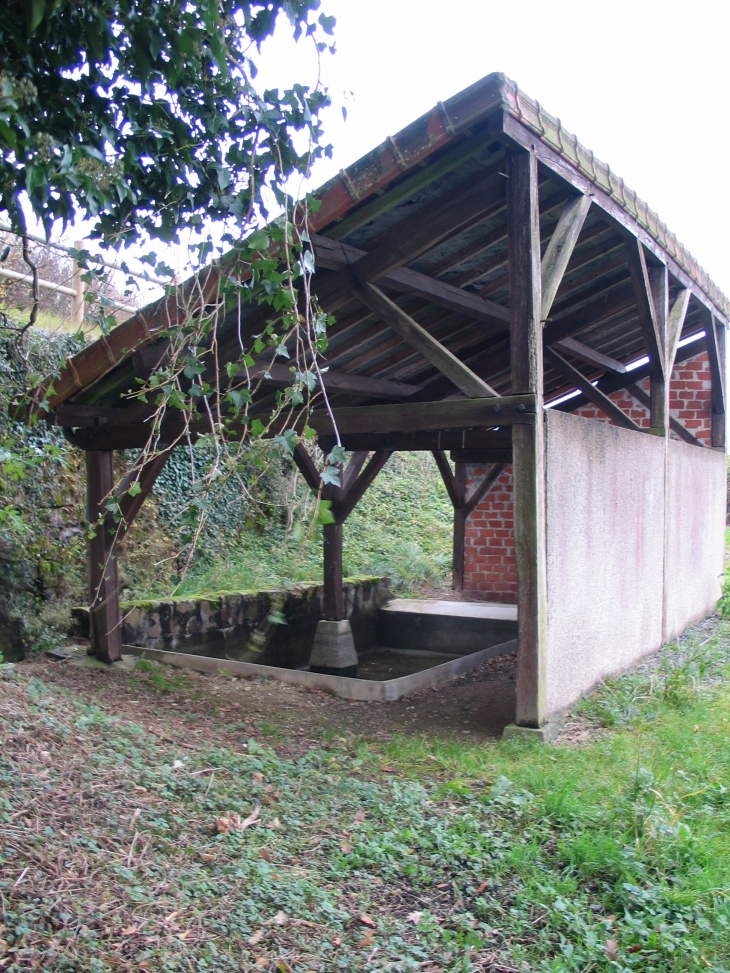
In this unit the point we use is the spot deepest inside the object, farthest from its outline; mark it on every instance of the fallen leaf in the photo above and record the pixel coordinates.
(256, 938)
(283, 966)
(265, 854)
(172, 916)
(360, 816)
(281, 918)
(258, 777)
(635, 949)
(345, 847)
(481, 888)
(276, 823)
(367, 921)
(366, 941)
(611, 949)
(337, 941)
(183, 935)
(135, 814)
(261, 963)
(414, 917)
(388, 770)
(129, 930)
(234, 822)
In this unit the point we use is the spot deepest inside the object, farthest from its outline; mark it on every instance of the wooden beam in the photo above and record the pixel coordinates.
(431, 349)
(354, 493)
(595, 395)
(444, 467)
(640, 395)
(305, 465)
(352, 470)
(336, 381)
(105, 619)
(413, 236)
(560, 249)
(145, 476)
(578, 350)
(528, 447)
(335, 256)
(483, 457)
(459, 530)
(652, 326)
(498, 445)
(675, 323)
(482, 489)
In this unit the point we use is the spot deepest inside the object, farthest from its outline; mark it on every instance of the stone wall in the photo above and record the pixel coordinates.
(269, 627)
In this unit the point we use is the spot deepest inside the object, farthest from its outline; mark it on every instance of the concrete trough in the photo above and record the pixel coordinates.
(454, 627)
(382, 690)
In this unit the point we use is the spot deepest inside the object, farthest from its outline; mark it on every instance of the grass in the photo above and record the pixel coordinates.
(401, 528)
(124, 845)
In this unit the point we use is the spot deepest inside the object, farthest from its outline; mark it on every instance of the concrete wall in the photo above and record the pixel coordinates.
(605, 553)
(695, 535)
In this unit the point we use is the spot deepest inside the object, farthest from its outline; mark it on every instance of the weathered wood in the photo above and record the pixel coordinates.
(717, 371)
(659, 388)
(334, 602)
(459, 529)
(431, 349)
(352, 470)
(145, 476)
(348, 501)
(589, 355)
(499, 441)
(482, 489)
(603, 308)
(528, 449)
(648, 319)
(514, 132)
(447, 475)
(335, 256)
(640, 395)
(337, 381)
(675, 323)
(104, 613)
(413, 236)
(594, 394)
(482, 457)
(305, 465)
(560, 249)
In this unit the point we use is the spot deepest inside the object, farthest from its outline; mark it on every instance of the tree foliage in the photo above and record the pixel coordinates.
(142, 114)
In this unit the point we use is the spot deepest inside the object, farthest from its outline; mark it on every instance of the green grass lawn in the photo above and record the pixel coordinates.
(124, 845)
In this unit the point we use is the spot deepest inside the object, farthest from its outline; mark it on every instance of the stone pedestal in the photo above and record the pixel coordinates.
(333, 652)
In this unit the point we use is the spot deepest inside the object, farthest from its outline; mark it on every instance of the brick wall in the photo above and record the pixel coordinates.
(490, 572)
(689, 400)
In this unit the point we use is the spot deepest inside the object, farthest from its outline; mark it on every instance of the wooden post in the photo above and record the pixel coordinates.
(334, 607)
(659, 381)
(523, 227)
(78, 302)
(105, 620)
(457, 574)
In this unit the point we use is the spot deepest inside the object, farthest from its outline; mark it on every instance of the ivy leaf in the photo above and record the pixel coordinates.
(324, 513)
(330, 474)
(337, 455)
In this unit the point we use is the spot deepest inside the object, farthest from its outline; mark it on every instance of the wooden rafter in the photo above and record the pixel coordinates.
(431, 349)
(591, 392)
(560, 249)
(675, 323)
(648, 318)
(444, 467)
(336, 380)
(589, 355)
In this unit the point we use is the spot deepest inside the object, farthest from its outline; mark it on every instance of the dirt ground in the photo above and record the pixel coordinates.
(478, 705)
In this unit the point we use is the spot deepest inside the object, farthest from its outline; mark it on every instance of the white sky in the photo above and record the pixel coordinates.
(645, 84)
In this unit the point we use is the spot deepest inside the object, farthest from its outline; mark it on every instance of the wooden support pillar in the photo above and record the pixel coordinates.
(528, 449)
(659, 379)
(457, 575)
(105, 620)
(334, 602)
(715, 343)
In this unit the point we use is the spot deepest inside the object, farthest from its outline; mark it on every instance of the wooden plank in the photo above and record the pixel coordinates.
(528, 448)
(431, 349)
(459, 530)
(560, 249)
(336, 381)
(675, 323)
(447, 475)
(640, 395)
(305, 465)
(356, 490)
(483, 488)
(101, 560)
(405, 417)
(413, 236)
(589, 355)
(514, 132)
(594, 394)
(482, 457)
(334, 602)
(352, 470)
(483, 442)
(335, 256)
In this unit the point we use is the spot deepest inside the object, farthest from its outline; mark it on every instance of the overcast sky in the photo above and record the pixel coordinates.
(644, 84)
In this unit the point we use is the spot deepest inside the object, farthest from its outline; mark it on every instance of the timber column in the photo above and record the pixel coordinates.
(104, 617)
(528, 440)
